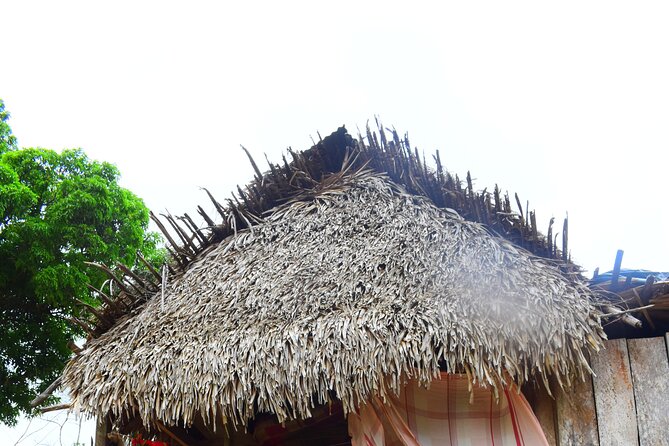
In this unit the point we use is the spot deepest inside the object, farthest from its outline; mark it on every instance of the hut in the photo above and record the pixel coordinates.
(351, 295)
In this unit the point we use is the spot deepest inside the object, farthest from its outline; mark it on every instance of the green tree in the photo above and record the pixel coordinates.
(7, 140)
(57, 210)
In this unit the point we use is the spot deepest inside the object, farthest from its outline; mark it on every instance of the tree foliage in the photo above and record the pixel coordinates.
(7, 140)
(57, 210)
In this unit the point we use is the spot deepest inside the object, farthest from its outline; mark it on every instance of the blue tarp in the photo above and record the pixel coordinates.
(638, 276)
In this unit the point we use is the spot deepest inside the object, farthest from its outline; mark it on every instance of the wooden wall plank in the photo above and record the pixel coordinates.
(614, 395)
(576, 415)
(650, 377)
(101, 431)
(543, 406)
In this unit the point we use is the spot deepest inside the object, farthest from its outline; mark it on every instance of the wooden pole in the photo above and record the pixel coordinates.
(616, 270)
(171, 434)
(55, 408)
(46, 394)
(101, 430)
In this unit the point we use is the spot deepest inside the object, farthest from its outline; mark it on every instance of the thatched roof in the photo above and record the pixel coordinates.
(353, 283)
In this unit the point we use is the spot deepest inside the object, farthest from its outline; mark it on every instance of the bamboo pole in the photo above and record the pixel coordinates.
(39, 399)
(55, 408)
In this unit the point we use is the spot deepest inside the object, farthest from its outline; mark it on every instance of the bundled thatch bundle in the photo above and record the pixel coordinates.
(344, 290)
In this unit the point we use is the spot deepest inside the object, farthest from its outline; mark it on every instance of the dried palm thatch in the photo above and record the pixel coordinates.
(306, 172)
(344, 290)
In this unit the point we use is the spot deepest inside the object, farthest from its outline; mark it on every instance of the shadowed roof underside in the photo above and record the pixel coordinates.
(344, 291)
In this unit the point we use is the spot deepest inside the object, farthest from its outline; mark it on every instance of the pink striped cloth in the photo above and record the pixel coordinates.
(447, 414)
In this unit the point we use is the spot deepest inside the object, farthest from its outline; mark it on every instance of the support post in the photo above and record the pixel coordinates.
(101, 431)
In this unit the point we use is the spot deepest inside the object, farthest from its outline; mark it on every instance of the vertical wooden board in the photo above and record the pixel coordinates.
(650, 377)
(101, 430)
(576, 416)
(614, 395)
(543, 406)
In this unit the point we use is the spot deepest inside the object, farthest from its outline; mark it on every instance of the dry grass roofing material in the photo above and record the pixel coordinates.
(344, 293)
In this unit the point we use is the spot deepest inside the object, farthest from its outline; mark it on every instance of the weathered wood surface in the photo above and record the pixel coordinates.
(614, 395)
(101, 430)
(543, 406)
(650, 375)
(576, 415)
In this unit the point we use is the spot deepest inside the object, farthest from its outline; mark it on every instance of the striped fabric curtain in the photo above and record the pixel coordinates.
(447, 414)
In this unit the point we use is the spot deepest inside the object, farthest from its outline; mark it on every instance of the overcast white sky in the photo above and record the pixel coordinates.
(566, 103)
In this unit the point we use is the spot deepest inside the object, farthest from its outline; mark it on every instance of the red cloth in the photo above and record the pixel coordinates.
(447, 414)
(141, 442)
